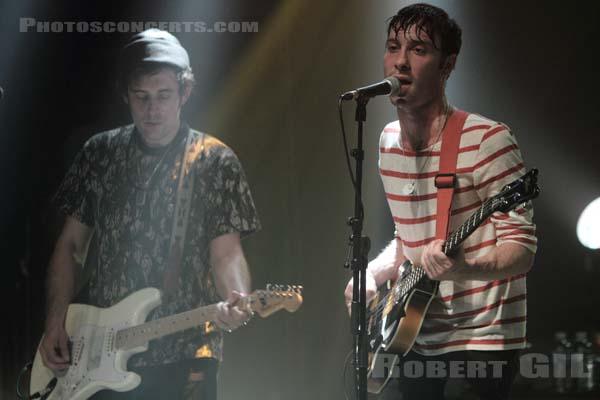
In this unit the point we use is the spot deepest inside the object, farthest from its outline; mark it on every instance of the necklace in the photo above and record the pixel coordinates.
(411, 188)
(145, 185)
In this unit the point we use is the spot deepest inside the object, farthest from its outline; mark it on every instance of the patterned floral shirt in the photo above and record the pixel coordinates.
(126, 191)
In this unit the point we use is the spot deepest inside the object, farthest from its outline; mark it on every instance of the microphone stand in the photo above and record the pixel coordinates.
(360, 247)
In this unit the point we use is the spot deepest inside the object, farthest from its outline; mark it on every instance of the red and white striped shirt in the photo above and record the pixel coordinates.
(469, 314)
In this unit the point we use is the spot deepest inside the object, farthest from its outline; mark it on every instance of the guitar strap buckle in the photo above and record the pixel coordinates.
(445, 181)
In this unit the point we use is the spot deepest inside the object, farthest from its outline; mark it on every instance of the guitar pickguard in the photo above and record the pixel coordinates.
(94, 360)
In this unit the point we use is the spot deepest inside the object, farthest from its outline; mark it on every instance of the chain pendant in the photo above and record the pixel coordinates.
(409, 189)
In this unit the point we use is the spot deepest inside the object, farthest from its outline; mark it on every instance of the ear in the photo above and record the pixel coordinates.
(126, 98)
(187, 91)
(449, 64)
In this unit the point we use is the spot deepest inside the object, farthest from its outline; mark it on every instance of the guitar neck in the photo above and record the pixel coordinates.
(453, 241)
(263, 302)
(517, 192)
(139, 335)
(459, 235)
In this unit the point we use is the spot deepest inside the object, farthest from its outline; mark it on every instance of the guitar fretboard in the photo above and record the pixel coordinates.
(140, 334)
(265, 302)
(455, 239)
(466, 228)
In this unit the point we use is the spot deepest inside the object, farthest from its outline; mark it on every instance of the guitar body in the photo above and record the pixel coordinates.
(103, 339)
(394, 328)
(96, 363)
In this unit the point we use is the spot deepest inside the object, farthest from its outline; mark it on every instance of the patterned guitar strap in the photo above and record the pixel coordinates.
(194, 147)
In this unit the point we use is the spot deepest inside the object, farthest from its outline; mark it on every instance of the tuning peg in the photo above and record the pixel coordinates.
(272, 289)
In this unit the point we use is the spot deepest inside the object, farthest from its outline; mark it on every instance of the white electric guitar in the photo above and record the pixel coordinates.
(103, 339)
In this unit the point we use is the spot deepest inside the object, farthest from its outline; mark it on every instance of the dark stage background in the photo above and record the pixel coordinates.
(272, 96)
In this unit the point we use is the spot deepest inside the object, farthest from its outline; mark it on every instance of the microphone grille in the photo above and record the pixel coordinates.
(394, 85)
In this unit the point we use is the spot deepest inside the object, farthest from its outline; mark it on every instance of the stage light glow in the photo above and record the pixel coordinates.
(588, 226)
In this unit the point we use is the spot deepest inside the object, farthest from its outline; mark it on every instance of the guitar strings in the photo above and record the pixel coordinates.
(487, 209)
(484, 210)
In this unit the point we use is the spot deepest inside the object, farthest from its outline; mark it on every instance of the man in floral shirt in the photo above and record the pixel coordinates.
(124, 188)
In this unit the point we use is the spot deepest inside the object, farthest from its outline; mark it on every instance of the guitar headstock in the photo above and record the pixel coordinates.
(274, 298)
(521, 190)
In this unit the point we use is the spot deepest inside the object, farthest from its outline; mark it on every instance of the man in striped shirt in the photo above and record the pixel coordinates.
(479, 313)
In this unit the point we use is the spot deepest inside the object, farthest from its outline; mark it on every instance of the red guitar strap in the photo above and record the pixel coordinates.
(445, 180)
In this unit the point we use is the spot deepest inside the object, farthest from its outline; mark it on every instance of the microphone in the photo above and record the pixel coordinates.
(388, 86)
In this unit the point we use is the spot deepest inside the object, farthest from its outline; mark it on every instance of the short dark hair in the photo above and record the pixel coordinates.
(184, 77)
(432, 20)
